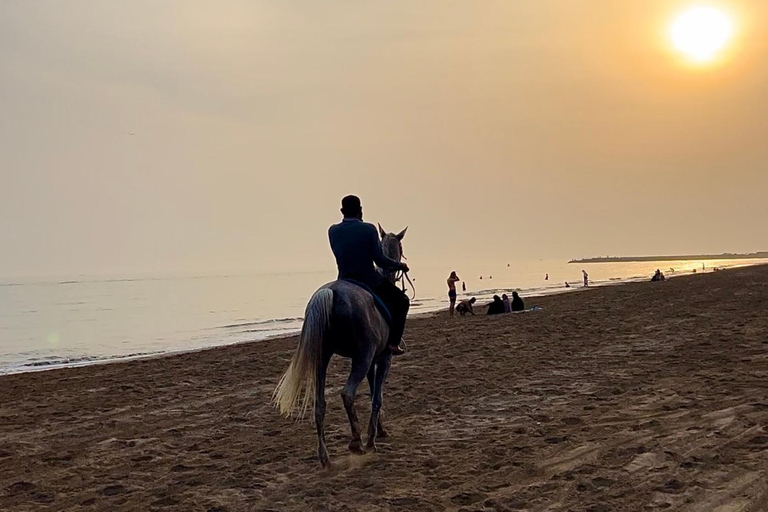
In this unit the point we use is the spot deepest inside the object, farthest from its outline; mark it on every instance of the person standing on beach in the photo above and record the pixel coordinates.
(356, 247)
(452, 280)
(586, 277)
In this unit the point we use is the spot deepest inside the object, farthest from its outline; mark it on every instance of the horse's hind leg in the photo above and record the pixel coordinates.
(382, 371)
(359, 371)
(322, 451)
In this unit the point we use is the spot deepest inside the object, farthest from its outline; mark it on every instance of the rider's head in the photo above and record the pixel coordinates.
(472, 300)
(350, 207)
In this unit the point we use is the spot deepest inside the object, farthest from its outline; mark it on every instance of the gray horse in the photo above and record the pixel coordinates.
(341, 318)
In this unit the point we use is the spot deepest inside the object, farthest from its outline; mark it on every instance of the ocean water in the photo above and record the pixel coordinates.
(48, 323)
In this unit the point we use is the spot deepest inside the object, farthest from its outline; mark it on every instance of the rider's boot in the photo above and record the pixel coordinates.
(396, 336)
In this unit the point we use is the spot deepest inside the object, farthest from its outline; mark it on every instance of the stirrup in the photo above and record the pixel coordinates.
(397, 350)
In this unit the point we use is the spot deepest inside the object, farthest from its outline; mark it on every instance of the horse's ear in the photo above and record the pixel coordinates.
(401, 234)
(382, 233)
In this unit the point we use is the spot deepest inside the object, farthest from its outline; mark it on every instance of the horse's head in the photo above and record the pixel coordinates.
(391, 245)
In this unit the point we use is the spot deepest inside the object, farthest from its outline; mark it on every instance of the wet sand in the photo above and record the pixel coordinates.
(637, 397)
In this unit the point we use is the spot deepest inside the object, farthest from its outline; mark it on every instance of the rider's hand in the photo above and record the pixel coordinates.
(404, 267)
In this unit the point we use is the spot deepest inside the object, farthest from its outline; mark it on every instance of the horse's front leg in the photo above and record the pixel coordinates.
(359, 371)
(381, 432)
(382, 371)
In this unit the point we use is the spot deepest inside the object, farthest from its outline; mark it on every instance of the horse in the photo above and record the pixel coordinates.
(341, 318)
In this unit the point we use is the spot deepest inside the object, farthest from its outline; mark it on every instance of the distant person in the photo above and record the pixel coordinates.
(546, 277)
(452, 280)
(463, 286)
(658, 276)
(517, 302)
(496, 307)
(586, 277)
(465, 306)
(507, 306)
(481, 277)
(567, 285)
(490, 277)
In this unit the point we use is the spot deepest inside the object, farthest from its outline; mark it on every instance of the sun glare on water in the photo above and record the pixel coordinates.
(701, 33)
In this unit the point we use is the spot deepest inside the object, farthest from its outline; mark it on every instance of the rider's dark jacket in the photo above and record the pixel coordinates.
(356, 246)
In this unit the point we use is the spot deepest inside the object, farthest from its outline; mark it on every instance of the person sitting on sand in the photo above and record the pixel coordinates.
(465, 306)
(496, 307)
(452, 280)
(658, 276)
(356, 247)
(517, 302)
(567, 285)
(507, 306)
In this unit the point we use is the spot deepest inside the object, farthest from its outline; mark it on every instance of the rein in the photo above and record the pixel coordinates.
(413, 288)
(400, 275)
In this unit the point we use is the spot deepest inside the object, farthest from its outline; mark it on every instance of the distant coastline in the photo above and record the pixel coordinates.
(625, 259)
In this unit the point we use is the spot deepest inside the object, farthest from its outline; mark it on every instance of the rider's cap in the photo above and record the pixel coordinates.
(351, 205)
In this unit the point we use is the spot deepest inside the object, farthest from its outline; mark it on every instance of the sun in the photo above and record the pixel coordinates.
(701, 33)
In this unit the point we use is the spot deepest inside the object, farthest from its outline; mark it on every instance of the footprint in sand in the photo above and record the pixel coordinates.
(467, 498)
(21, 486)
(112, 490)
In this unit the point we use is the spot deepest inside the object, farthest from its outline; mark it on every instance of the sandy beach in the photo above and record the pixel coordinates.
(643, 396)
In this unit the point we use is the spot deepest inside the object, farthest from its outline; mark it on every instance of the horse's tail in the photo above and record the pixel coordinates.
(296, 388)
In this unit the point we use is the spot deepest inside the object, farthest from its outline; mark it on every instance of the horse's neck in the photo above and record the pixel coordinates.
(390, 251)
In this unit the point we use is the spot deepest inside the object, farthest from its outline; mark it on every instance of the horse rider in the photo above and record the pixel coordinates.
(356, 246)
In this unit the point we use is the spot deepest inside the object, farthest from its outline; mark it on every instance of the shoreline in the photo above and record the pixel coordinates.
(759, 255)
(287, 335)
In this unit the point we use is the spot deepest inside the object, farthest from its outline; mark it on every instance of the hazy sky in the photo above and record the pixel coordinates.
(156, 135)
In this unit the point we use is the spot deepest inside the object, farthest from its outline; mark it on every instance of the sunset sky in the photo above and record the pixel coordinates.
(189, 135)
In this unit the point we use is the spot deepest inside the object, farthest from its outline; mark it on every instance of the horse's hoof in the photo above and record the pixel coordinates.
(355, 446)
(382, 434)
(371, 446)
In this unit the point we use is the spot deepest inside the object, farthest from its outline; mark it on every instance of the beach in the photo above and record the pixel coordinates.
(641, 396)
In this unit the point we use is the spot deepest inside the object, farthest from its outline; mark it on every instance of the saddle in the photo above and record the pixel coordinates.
(378, 301)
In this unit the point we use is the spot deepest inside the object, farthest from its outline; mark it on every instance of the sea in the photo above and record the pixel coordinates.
(49, 323)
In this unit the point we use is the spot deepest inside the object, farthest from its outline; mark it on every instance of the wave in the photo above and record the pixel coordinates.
(275, 329)
(268, 321)
(53, 361)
